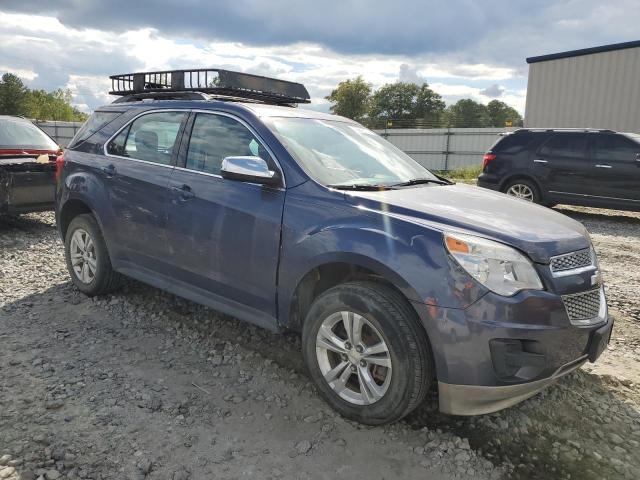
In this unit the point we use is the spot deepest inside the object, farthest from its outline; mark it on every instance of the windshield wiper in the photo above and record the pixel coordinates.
(361, 186)
(420, 181)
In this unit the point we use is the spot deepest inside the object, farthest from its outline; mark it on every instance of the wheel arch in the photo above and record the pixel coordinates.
(334, 270)
(71, 209)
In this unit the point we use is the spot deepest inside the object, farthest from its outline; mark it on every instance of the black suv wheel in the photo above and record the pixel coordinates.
(523, 189)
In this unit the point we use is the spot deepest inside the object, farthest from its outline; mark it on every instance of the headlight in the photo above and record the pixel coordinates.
(500, 268)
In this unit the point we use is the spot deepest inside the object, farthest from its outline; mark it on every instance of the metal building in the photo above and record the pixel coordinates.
(594, 87)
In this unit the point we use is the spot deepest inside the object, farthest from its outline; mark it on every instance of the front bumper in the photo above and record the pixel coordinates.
(478, 400)
(475, 349)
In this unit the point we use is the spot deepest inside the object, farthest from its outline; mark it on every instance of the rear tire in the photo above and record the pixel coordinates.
(87, 257)
(378, 374)
(523, 189)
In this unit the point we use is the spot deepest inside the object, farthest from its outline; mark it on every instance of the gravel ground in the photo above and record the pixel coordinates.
(142, 384)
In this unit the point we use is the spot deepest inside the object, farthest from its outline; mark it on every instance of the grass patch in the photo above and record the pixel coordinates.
(464, 175)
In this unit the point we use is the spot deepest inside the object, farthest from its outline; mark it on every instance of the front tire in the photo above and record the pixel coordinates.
(87, 257)
(367, 353)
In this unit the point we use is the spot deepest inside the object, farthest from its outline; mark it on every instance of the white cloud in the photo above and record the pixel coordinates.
(81, 59)
(24, 74)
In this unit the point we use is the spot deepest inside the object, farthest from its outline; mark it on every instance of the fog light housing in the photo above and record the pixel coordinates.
(517, 360)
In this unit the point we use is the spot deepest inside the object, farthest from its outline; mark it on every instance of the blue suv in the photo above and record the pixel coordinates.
(211, 185)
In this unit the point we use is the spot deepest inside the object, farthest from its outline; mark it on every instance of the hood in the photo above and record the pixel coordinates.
(538, 231)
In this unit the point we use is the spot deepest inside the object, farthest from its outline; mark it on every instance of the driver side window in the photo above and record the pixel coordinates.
(215, 137)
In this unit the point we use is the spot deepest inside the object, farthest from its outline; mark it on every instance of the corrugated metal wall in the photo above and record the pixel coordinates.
(61, 132)
(442, 148)
(600, 90)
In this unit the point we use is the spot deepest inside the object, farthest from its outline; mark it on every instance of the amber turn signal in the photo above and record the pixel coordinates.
(457, 246)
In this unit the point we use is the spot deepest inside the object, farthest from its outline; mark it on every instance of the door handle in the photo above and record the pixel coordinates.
(184, 191)
(539, 160)
(109, 170)
(603, 166)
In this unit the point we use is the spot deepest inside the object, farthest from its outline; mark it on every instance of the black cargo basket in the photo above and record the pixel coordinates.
(211, 81)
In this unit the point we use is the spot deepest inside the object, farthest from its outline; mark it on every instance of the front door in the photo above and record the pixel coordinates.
(616, 159)
(137, 168)
(223, 235)
(562, 163)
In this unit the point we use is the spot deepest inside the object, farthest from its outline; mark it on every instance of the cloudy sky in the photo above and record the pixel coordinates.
(462, 48)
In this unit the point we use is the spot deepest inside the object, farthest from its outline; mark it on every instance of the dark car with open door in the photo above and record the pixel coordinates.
(27, 167)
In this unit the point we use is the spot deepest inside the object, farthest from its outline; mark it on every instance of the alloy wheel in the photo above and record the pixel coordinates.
(83, 256)
(520, 190)
(354, 358)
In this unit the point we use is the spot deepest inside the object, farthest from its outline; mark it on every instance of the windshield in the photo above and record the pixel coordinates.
(339, 153)
(20, 134)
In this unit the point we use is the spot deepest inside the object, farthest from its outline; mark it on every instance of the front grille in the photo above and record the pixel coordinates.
(582, 307)
(571, 261)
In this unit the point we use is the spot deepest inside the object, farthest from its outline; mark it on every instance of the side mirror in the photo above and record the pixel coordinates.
(248, 169)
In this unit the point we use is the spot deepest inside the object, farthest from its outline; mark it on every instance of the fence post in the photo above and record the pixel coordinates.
(446, 153)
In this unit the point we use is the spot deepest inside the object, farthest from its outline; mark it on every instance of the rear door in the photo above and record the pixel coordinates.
(223, 235)
(616, 159)
(563, 166)
(136, 171)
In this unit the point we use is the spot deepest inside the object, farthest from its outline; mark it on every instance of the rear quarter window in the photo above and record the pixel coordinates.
(95, 123)
(512, 143)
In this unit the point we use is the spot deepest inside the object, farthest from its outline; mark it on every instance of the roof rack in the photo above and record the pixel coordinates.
(223, 83)
(593, 130)
(134, 97)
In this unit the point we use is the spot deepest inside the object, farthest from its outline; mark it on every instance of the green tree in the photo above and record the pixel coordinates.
(12, 95)
(500, 113)
(429, 105)
(402, 100)
(55, 105)
(16, 99)
(467, 113)
(351, 98)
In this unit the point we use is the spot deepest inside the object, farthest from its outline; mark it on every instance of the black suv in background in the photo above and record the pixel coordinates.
(595, 168)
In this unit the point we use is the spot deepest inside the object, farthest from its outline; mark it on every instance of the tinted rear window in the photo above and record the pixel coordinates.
(22, 134)
(511, 143)
(94, 124)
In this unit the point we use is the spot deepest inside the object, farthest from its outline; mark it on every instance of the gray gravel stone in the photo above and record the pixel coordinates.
(120, 371)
